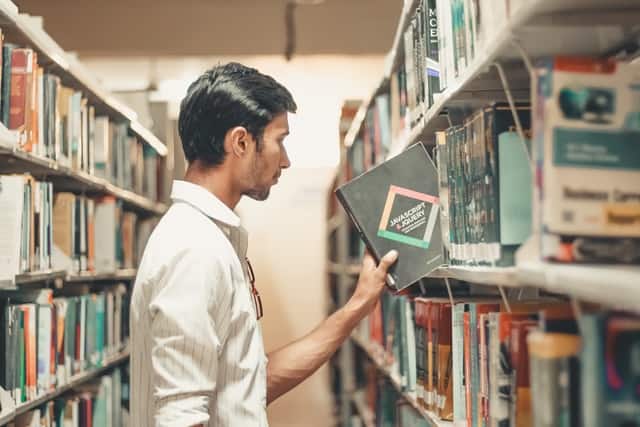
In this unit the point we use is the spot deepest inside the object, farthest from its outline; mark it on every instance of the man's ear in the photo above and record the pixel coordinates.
(237, 141)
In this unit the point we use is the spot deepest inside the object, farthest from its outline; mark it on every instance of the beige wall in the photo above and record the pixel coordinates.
(287, 232)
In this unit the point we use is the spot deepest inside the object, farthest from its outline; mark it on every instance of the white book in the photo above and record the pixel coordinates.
(105, 233)
(102, 147)
(11, 210)
(44, 348)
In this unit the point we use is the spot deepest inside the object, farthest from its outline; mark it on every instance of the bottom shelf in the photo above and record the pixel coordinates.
(74, 381)
(377, 356)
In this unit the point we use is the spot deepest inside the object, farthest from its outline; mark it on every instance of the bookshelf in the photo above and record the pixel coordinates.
(377, 356)
(27, 30)
(74, 381)
(126, 195)
(532, 30)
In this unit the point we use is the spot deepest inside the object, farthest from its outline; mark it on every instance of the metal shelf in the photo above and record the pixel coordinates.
(27, 31)
(376, 356)
(366, 414)
(13, 160)
(348, 269)
(128, 274)
(535, 26)
(74, 381)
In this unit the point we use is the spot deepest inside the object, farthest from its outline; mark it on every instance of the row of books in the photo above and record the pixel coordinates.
(421, 56)
(46, 340)
(479, 362)
(485, 186)
(57, 122)
(103, 402)
(391, 409)
(581, 139)
(64, 231)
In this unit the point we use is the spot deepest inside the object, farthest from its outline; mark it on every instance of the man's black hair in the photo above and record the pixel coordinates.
(224, 97)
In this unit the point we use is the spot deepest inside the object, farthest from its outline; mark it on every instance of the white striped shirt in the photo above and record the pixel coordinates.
(197, 355)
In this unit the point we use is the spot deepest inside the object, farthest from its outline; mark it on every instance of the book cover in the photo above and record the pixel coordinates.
(395, 205)
(586, 134)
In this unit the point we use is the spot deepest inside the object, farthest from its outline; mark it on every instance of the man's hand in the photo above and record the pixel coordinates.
(371, 281)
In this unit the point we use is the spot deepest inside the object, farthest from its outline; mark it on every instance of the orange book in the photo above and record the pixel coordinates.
(467, 366)
(22, 61)
(29, 311)
(429, 367)
(445, 364)
(521, 403)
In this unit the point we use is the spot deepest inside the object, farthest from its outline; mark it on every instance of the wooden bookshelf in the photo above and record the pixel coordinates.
(25, 30)
(73, 382)
(13, 160)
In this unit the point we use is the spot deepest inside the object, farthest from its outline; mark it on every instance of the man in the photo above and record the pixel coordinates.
(197, 353)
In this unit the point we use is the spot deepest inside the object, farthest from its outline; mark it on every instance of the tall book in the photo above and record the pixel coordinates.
(395, 206)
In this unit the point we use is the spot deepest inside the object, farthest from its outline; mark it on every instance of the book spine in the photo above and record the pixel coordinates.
(21, 68)
(457, 350)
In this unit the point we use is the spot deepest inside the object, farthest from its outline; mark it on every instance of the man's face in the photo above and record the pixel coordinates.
(269, 161)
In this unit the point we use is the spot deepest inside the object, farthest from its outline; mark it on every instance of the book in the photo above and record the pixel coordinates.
(555, 391)
(586, 133)
(395, 206)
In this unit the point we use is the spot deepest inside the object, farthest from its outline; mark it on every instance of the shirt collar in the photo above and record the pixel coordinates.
(205, 201)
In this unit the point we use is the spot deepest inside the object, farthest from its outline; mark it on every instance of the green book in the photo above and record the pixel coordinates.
(100, 327)
(5, 103)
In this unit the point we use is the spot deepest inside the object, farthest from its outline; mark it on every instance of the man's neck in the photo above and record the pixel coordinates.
(215, 180)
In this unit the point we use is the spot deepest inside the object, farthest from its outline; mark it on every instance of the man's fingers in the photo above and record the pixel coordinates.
(387, 261)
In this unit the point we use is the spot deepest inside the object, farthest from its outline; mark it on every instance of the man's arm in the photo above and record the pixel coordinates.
(292, 364)
(187, 330)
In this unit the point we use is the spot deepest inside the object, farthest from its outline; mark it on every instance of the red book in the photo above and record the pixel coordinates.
(444, 404)
(22, 61)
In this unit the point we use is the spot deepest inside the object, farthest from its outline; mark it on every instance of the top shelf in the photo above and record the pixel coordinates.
(27, 30)
(586, 27)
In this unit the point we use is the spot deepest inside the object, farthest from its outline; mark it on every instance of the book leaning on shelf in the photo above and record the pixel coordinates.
(46, 340)
(587, 138)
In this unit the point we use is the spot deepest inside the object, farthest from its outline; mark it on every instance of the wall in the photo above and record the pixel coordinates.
(287, 232)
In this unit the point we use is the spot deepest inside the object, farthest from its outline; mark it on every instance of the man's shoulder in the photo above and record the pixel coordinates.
(184, 227)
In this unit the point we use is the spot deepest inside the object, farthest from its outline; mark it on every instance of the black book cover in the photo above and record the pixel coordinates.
(395, 205)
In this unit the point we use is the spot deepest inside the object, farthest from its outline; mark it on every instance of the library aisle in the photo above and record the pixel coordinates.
(494, 143)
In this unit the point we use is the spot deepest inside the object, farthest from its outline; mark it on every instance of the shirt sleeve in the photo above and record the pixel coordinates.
(188, 312)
